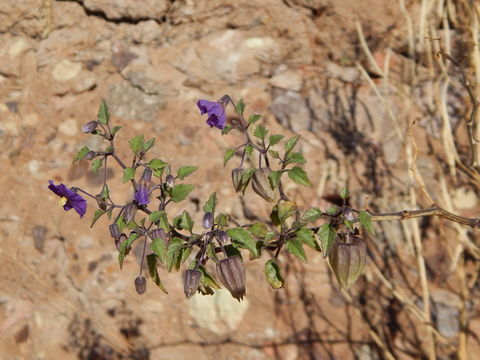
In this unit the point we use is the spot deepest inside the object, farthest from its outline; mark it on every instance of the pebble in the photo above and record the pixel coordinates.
(66, 70)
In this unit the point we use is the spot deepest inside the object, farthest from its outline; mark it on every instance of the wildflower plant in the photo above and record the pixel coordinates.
(266, 162)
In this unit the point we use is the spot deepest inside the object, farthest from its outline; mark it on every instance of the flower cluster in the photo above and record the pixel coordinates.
(175, 240)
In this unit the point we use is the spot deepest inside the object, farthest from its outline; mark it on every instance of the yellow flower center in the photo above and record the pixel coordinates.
(62, 201)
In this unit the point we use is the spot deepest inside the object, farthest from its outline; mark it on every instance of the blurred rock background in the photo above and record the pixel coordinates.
(304, 65)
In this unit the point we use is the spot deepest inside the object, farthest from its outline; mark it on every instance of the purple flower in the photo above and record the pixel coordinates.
(69, 198)
(141, 195)
(215, 111)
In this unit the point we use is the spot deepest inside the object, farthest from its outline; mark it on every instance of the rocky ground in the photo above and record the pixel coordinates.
(301, 64)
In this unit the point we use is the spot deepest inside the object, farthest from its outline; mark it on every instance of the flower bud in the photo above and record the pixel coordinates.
(114, 230)
(101, 202)
(207, 221)
(261, 184)
(191, 280)
(348, 213)
(222, 236)
(91, 155)
(120, 240)
(90, 126)
(232, 274)
(237, 175)
(159, 233)
(348, 260)
(140, 284)
(170, 181)
(129, 212)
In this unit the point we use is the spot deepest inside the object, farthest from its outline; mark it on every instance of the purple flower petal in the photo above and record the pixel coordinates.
(74, 201)
(215, 111)
(142, 195)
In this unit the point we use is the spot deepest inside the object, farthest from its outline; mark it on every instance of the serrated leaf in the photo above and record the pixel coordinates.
(273, 274)
(307, 237)
(366, 220)
(174, 254)
(290, 144)
(332, 211)
(299, 176)
(228, 155)
(312, 214)
(105, 193)
(159, 248)
(96, 165)
(184, 171)
(260, 132)
(221, 220)
(210, 204)
(157, 164)
(295, 158)
(128, 174)
(180, 192)
(98, 214)
(258, 230)
(295, 247)
(243, 239)
(248, 150)
(285, 210)
(148, 144)
(81, 154)
(254, 118)
(344, 193)
(274, 178)
(275, 139)
(136, 144)
(103, 113)
(152, 269)
(162, 219)
(327, 237)
(240, 107)
(115, 129)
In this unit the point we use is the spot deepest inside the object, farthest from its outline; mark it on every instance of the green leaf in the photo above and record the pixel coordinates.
(312, 214)
(105, 193)
(186, 221)
(149, 144)
(344, 193)
(152, 269)
(98, 214)
(227, 129)
(162, 219)
(332, 211)
(274, 154)
(306, 236)
(157, 164)
(174, 254)
(366, 220)
(128, 174)
(274, 178)
(299, 176)
(211, 203)
(96, 165)
(254, 118)
(81, 154)
(184, 171)
(295, 247)
(327, 236)
(285, 210)
(275, 139)
(180, 192)
(228, 155)
(115, 129)
(249, 150)
(260, 132)
(290, 144)
(240, 107)
(273, 274)
(207, 279)
(243, 239)
(159, 248)
(125, 248)
(137, 144)
(295, 158)
(258, 230)
(103, 113)
(221, 220)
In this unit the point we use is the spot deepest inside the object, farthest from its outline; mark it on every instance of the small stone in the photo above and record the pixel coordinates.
(69, 127)
(18, 48)
(66, 70)
(288, 80)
